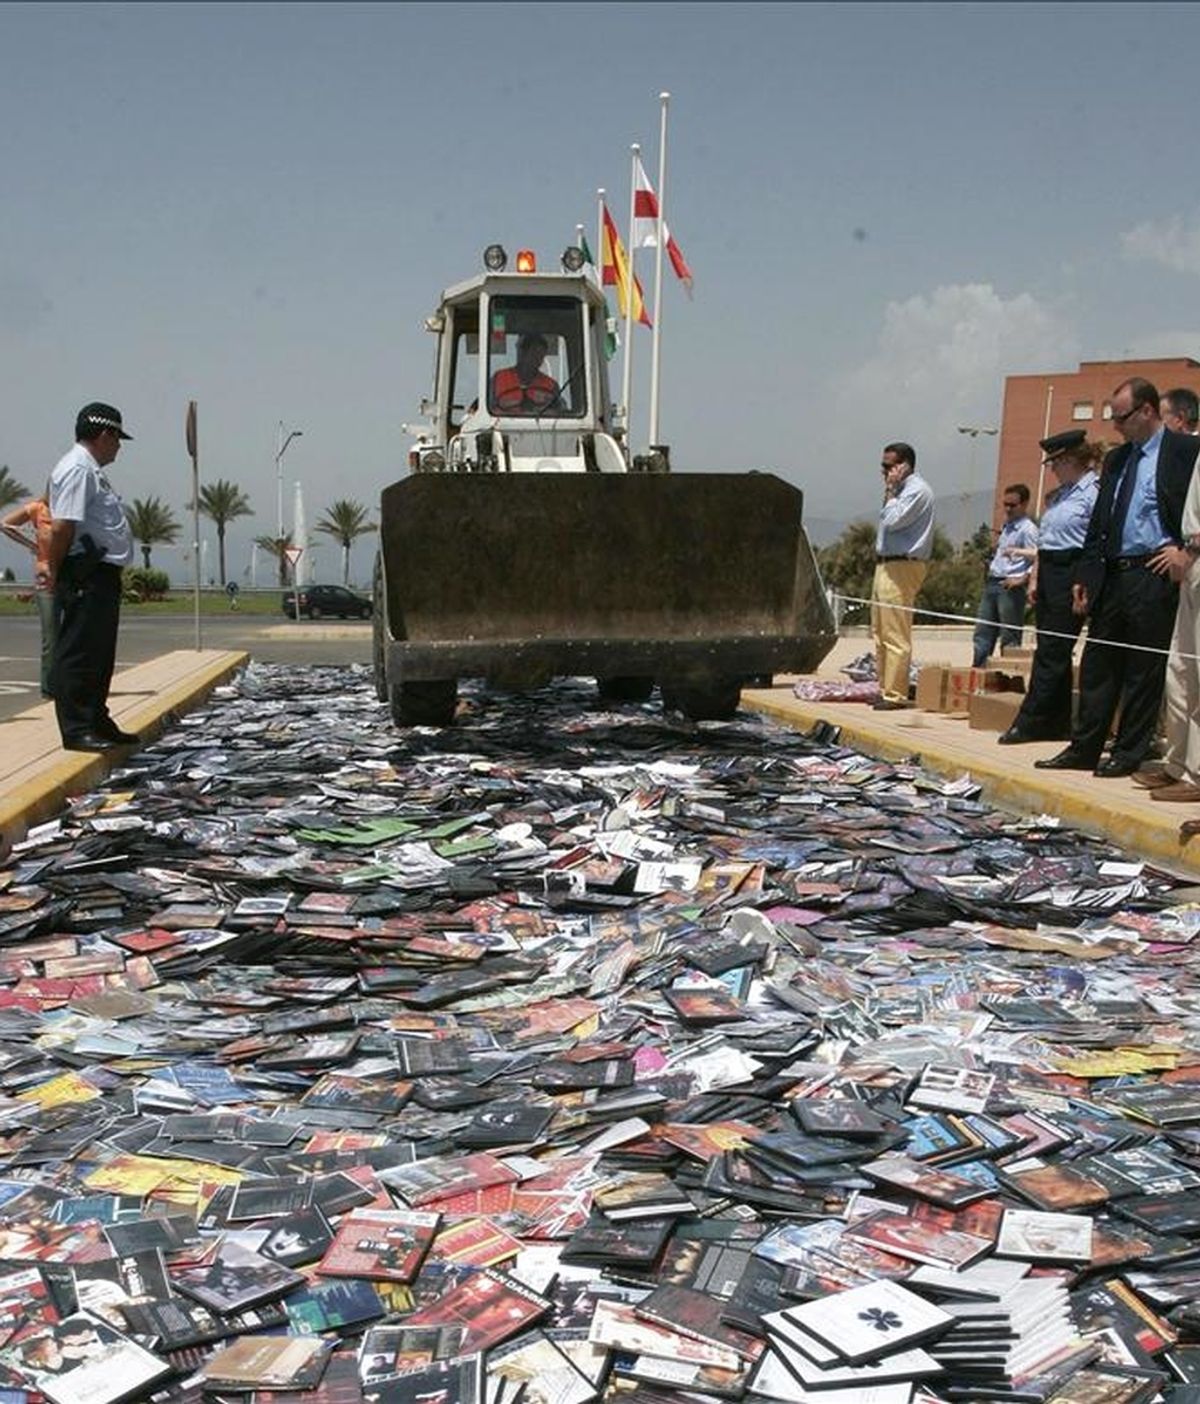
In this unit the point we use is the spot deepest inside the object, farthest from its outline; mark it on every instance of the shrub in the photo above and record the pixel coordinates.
(138, 583)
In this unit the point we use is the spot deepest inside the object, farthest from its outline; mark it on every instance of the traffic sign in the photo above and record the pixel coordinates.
(293, 553)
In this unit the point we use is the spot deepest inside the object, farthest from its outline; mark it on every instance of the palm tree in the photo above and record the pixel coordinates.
(346, 520)
(11, 491)
(221, 502)
(152, 522)
(277, 546)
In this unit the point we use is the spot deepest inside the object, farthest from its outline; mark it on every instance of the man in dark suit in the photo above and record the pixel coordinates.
(1123, 583)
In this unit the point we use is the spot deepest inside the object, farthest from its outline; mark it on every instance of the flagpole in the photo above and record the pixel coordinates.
(627, 382)
(600, 236)
(1037, 511)
(664, 98)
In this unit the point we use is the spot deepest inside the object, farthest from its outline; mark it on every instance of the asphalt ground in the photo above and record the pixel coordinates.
(268, 638)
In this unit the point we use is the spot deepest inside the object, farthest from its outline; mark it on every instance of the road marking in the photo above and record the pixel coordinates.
(10, 689)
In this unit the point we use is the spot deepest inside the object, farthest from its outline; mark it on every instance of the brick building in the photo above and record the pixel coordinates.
(1076, 400)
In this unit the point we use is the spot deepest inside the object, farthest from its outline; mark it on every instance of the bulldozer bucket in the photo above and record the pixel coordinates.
(655, 575)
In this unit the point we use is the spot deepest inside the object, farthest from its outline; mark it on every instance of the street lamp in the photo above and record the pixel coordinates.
(280, 450)
(974, 430)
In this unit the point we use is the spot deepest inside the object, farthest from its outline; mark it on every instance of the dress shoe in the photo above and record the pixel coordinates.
(1114, 768)
(88, 741)
(1178, 792)
(1017, 736)
(886, 704)
(1151, 777)
(1070, 759)
(113, 732)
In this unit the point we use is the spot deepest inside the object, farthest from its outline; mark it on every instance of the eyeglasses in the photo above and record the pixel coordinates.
(1011, 506)
(1121, 418)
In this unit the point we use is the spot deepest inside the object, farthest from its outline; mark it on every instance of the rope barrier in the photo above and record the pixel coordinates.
(1043, 633)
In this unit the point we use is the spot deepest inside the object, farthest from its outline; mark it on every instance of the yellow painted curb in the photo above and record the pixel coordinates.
(33, 801)
(188, 691)
(1026, 793)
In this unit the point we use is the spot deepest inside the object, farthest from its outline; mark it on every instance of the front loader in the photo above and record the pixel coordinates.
(525, 543)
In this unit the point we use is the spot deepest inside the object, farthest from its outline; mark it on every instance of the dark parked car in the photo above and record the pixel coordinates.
(320, 601)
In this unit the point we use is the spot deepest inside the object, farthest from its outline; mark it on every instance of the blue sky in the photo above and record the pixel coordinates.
(887, 209)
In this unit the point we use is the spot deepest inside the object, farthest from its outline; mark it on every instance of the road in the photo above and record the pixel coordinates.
(265, 637)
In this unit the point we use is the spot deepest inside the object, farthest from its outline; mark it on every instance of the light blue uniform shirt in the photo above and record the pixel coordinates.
(906, 521)
(1065, 520)
(1143, 531)
(1021, 533)
(80, 493)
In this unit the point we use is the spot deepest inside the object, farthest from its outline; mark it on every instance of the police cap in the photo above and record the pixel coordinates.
(92, 418)
(1058, 444)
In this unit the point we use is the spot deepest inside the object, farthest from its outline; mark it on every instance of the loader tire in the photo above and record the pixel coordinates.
(378, 641)
(625, 689)
(715, 699)
(425, 703)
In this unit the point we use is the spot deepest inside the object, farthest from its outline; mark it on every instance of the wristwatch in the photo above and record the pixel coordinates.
(1191, 544)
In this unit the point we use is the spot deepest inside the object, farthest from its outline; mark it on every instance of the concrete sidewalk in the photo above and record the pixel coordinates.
(37, 775)
(1113, 809)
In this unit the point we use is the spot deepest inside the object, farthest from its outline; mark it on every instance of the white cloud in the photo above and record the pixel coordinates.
(1175, 243)
(939, 361)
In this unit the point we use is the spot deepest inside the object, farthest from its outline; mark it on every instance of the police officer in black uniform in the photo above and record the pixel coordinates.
(90, 541)
(1045, 714)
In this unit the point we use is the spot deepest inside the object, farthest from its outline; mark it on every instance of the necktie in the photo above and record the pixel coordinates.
(1120, 510)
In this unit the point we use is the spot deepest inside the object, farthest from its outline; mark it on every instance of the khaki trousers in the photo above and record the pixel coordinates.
(892, 595)
(1181, 698)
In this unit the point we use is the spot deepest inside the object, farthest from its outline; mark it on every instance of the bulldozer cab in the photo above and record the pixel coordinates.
(521, 379)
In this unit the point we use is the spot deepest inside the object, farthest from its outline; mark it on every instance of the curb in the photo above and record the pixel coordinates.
(1025, 793)
(60, 773)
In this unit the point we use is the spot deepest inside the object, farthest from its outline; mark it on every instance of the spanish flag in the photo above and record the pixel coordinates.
(611, 340)
(617, 271)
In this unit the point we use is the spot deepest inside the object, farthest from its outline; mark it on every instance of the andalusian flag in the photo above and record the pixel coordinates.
(616, 270)
(611, 340)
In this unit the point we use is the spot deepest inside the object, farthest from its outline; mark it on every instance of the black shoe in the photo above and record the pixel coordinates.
(112, 732)
(1115, 767)
(1017, 734)
(88, 741)
(887, 705)
(1070, 759)
(1014, 736)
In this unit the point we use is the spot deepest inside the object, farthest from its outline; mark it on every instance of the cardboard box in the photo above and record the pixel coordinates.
(1016, 667)
(943, 689)
(993, 711)
(931, 683)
